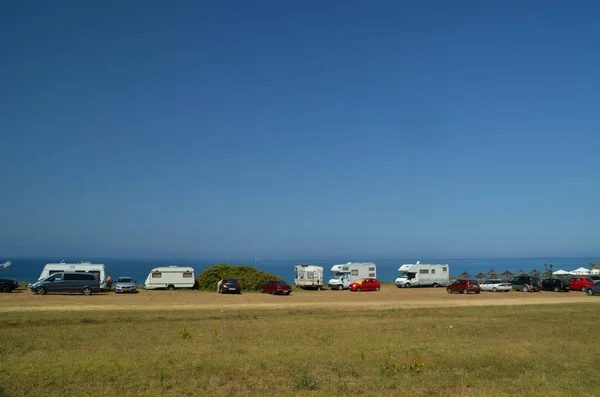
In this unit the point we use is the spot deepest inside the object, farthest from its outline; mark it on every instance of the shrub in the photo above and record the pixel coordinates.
(250, 278)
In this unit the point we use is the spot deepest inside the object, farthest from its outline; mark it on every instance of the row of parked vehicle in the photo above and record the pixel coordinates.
(528, 283)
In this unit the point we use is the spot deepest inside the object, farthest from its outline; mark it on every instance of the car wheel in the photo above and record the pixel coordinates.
(272, 292)
(449, 290)
(40, 290)
(590, 292)
(171, 287)
(262, 290)
(407, 285)
(434, 285)
(357, 289)
(464, 291)
(525, 288)
(340, 287)
(377, 288)
(477, 292)
(556, 289)
(4, 288)
(87, 291)
(494, 289)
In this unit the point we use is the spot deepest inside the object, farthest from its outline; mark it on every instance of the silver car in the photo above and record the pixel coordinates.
(126, 284)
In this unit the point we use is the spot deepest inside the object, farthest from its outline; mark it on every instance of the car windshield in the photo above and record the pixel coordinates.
(281, 283)
(473, 282)
(339, 275)
(230, 280)
(125, 280)
(403, 274)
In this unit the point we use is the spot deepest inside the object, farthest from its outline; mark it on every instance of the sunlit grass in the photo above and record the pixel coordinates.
(485, 351)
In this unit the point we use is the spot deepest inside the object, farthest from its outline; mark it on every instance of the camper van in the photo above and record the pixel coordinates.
(308, 277)
(422, 275)
(81, 267)
(170, 277)
(344, 275)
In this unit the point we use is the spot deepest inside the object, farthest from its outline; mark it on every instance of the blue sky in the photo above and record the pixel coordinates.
(295, 129)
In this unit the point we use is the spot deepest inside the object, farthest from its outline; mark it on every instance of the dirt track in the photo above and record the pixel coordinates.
(388, 297)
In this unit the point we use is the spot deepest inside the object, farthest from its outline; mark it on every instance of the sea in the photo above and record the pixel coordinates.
(29, 269)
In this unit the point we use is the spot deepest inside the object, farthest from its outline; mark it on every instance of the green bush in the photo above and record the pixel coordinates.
(249, 278)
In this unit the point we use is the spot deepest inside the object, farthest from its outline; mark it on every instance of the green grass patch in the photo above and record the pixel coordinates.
(474, 351)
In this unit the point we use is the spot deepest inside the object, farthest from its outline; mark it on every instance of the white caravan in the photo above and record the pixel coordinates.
(344, 275)
(308, 276)
(422, 275)
(83, 266)
(170, 277)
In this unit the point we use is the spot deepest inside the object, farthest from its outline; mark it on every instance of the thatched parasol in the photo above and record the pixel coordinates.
(480, 277)
(521, 272)
(535, 272)
(465, 276)
(492, 273)
(508, 275)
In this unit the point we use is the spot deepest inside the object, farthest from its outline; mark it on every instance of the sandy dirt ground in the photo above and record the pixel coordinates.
(389, 297)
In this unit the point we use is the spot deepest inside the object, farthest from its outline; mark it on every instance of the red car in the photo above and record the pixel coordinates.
(464, 286)
(365, 284)
(276, 287)
(581, 283)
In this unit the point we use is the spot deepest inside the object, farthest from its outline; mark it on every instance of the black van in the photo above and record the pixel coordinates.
(82, 282)
(556, 285)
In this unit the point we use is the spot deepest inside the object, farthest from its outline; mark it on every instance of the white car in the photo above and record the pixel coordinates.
(496, 285)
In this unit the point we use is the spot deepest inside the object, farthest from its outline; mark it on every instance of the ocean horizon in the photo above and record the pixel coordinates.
(28, 269)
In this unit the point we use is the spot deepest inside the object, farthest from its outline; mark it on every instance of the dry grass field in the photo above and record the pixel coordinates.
(417, 343)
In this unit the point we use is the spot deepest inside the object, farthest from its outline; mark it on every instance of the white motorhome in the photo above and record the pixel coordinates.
(345, 274)
(308, 276)
(83, 266)
(170, 277)
(422, 275)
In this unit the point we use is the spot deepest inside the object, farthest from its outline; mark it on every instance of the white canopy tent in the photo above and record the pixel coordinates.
(582, 271)
(595, 272)
(561, 272)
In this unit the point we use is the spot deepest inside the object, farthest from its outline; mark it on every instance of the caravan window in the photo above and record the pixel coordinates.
(444, 269)
(371, 274)
(432, 271)
(355, 272)
(156, 275)
(310, 275)
(423, 271)
(371, 269)
(187, 275)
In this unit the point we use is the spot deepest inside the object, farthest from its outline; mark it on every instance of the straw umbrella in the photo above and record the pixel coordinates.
(480, 277)
(452, 278)
(492, 273)
(508, 275)
(465, 276)
(521, 272)
(535, 273)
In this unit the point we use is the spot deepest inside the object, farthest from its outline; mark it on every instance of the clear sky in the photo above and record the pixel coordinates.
(371, 129)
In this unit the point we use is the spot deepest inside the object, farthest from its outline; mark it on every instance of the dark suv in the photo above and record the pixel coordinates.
(556, 285)
(7, 285)
(526, 283)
